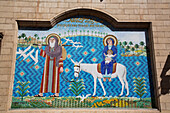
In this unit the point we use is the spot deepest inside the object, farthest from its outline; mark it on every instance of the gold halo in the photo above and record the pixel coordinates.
(55, 35)
(112, 37)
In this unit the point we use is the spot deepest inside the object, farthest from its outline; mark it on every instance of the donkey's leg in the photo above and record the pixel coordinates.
(121, 80)
(126, 83)
(95, 80)
(102, 86)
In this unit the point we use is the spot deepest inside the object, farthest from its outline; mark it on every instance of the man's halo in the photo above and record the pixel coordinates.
(54, 35)
(112, 37)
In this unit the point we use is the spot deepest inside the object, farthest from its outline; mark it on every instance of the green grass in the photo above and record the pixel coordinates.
(73, 102)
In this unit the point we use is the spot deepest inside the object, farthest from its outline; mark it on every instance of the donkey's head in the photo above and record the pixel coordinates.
(77, 68)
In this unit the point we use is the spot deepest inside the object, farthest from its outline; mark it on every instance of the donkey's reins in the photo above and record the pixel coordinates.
(77, 71)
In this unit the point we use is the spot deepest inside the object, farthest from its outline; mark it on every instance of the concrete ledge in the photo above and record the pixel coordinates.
(79, 110)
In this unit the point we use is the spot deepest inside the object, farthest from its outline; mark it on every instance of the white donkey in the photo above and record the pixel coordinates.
(92, 69)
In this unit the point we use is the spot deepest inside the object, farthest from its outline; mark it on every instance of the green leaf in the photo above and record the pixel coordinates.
(73, 85)
(80, 89)
(137, 93)
(25, 89)
(73, 91)
(20, 88)
(19, 93)
(138, 87)
(25, 84)
(80, 84)
(24, 93)
(80, 92)
(138, 90)
(73, 88)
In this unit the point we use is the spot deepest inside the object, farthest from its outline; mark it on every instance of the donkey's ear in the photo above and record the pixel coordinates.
(81, 60)
(72, 61)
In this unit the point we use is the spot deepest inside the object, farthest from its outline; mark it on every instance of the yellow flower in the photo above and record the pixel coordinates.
(143, 77)
(28, 86)
(17, 86)
(18, 82)
(134, 81)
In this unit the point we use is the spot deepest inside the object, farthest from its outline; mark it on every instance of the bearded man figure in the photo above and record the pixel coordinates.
(52, 68)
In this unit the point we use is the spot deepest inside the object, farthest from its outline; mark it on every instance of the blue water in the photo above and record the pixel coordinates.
(112, 88)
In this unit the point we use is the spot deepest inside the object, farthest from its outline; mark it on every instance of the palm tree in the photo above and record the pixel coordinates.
(133, 49)
(29, 40)
(145, 47)
(124, 43)
(130, 43)
(80, 32)
(42, 39)
(84, 31)
(26, 40)
(19, 38)
(95, 33)
(142, 43)
(72, 32)
(136, 46)
(92, 33)
(87, 32)
(104, 34)
(23, 35)
(98, 33)
(120, 43)
(122, 47)
(127, 48)
(64, 33)
(38, 39)
(35, 35)
(76, 31)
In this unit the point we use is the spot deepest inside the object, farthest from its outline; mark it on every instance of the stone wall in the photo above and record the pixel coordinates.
(155, 11)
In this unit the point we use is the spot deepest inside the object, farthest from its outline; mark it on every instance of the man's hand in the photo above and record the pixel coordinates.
(61, 69)
(39, 46)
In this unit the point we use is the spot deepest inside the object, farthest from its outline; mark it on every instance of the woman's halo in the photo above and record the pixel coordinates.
(112, 37)
(54, 35)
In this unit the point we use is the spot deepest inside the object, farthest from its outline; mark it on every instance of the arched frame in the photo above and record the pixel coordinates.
(115, 26)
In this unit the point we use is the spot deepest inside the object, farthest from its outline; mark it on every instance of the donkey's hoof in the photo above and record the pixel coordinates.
(93, 96)
(103, 96)
(119, 95)
(126, 96)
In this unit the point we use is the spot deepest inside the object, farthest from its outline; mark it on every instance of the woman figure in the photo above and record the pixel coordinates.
(107, 68)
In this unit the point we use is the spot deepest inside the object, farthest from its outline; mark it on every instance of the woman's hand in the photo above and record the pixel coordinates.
(61, 69)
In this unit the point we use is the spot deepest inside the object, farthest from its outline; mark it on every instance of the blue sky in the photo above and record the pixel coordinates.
(134, 36)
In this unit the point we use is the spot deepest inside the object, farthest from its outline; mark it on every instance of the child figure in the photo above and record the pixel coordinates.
(108, 59)
(109, 55)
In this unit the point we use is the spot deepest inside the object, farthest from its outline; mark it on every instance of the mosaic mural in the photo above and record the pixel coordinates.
(81, 63)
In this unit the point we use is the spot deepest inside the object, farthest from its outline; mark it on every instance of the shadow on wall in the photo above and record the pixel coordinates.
(165, 82)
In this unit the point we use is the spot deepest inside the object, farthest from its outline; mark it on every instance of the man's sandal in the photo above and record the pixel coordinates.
(54, 96)
(38, 95)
